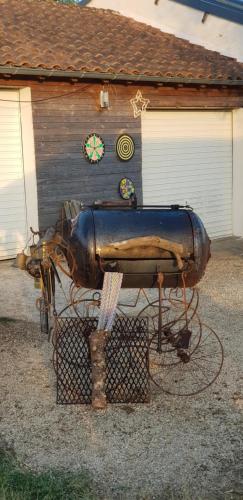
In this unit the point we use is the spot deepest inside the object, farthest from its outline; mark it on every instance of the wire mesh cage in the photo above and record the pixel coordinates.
(127, 362)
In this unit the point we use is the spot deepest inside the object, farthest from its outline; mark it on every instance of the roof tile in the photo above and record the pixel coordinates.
(44, 34)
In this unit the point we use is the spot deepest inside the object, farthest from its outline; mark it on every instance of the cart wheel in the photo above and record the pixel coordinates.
(179, 333)
(85, 307)
(196, 369)
(175, 319)
(173, 309)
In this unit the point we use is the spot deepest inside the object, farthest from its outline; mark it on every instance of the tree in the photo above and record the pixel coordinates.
(81, 2)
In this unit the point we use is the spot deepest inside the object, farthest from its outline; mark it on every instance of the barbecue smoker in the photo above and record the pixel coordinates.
(160, 254)
(140, 243)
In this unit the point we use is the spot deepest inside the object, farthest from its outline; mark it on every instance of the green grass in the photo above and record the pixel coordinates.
(5, 319)
(18, 483)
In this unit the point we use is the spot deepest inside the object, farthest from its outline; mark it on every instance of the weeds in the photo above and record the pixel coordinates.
(18, 483)
(5, 319)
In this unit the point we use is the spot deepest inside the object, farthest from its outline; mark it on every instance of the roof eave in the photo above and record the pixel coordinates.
(56, 73)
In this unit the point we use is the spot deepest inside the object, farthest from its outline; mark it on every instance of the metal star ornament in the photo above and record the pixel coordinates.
(139, 104)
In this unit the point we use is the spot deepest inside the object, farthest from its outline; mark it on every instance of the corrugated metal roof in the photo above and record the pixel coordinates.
(228, 9)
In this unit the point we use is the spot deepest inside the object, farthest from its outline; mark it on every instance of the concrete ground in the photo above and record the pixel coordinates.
(171, 448)
(18, 293)
(227, 247)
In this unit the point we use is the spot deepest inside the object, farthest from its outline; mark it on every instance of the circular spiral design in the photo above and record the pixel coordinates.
(125, 147)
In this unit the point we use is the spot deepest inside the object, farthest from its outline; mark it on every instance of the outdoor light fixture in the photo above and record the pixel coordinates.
(104, 99)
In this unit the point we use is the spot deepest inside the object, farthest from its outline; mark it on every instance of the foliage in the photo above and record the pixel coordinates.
(6, 320)
(68, 1)
(18, 483)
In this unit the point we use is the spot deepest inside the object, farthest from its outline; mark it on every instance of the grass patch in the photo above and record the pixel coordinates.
(5, 319)
(18, 483)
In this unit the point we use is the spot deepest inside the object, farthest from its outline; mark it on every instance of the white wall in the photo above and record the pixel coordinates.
(28, 146)
(215, 34)
(238, 172)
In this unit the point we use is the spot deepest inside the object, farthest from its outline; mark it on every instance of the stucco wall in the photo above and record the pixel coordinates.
(215, 34)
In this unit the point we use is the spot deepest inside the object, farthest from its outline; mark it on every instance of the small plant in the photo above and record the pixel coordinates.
(18, 483)
(5, 319)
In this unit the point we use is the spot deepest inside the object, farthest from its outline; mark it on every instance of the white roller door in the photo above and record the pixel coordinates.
(13, 225)
(187, 159)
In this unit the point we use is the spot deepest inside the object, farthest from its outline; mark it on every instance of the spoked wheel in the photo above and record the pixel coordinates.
(176, 317)
(196, 367)
(180, 335)
(174, 309)
(85, 306)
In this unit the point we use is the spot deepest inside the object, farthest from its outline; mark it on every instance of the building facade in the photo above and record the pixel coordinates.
(188, 142)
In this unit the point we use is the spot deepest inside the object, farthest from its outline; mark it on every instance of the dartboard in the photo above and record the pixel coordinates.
(126, 188)
(94, 148)
(125, 147)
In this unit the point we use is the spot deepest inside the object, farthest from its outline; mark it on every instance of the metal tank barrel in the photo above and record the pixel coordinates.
(139, 242)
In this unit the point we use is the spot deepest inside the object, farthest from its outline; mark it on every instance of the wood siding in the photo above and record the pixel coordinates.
(61, 125)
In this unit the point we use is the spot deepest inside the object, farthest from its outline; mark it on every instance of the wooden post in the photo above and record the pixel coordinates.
(97, 341)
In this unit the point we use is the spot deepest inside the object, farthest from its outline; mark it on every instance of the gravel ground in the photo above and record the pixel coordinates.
(192, 446)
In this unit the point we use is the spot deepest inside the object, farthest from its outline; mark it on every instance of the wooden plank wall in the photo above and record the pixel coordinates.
(61, 126)
(65, 113)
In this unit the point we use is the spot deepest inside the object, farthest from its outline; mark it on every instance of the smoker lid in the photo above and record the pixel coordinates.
(115, 225)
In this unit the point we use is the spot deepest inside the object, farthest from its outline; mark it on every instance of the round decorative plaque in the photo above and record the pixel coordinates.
(126, 188)
(125, 147)
(94, 148)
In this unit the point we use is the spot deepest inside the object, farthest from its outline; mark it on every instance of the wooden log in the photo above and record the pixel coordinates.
(97, 341)
(143, 247)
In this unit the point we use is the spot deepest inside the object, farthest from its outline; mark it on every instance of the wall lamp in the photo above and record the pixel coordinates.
(104, 99)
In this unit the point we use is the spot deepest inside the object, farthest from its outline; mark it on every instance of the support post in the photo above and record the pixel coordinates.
(160, 280)
(97, 341)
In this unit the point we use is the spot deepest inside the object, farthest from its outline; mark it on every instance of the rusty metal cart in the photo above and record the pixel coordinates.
(162, 253)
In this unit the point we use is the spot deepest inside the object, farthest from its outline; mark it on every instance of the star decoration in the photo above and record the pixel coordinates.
(139, 104)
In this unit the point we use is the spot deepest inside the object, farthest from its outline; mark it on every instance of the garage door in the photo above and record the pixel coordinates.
(187, 159)
(13, 226)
